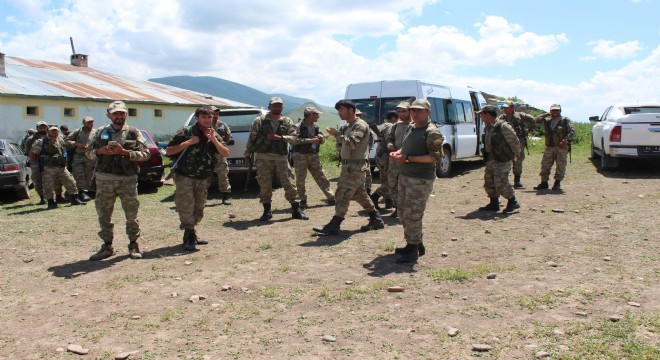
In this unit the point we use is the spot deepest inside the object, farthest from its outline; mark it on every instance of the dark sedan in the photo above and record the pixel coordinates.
(15, 172)
(151, 171)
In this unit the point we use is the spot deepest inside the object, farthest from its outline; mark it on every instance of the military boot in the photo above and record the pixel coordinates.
(409, 256)
(198, 241)
(331, 228)
(494, 205)
(403, 250)
(542, 186)
(511, 206)
(134, 250)
(297, 213)
(59, 198)
(52, 204)
(375, 222)
(225, 198)
(42, 201)
(303, 204)
(516, 182)
(83, 197)
(75, 200)
(189, 240)
(389, 204)
(374, 198)
(105, 252)
(557, 185)
(267, 215)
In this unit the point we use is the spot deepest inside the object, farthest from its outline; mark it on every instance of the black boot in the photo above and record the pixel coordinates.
(303, 204)
(402, 250)
(542, 186)
(59, 198)
(198, 241)
(331, 228)
(42, 201)
(225, 199)
(267, 215)
(494, 205)
(389, 204)
(52, 204)
(511, 206)
(409, 256)
(375, 222)
(557, 185)
(516, 182)
(75, 200)
(374, 198)
(297, 213)
(83, 197)
(189, 240)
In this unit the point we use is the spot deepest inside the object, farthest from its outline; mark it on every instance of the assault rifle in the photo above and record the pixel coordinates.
(249, 173)
(174, 165)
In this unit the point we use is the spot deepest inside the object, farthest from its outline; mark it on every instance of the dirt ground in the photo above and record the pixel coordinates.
(577, 276)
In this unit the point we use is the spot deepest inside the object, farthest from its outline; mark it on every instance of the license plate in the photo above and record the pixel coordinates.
(236, 162)
(649, 149)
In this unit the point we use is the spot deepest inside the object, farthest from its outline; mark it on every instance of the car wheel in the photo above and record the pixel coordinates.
(23, 192)
(607, 162)
(443, 167)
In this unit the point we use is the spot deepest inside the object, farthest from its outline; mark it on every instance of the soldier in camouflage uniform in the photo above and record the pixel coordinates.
(51, 154)
(383, 160)
(500, 149)
(420, 150)
(83, 167)
(559, 133)
(394, 140)
(368, 180)
(196, 148)
(353, 138)
(222, 166)
(269, 138)
(117, 148)
(306, 148)
(520, 122)
(29, 134)
(42, 132)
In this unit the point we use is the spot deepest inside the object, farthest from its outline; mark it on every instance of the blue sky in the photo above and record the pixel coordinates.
(581, 54)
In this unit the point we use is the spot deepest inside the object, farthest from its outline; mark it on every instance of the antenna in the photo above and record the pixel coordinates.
(72, 47)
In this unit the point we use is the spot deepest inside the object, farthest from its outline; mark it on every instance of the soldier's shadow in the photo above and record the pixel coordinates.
(247, 224)
(84, 267)
(386, 264)
(482, 215)
(331, 240)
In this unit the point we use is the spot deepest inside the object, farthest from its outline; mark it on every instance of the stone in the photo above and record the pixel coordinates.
(188, 262)
(194, 299)
(552, 263)
(635, 304)
(444, 254)
(581, 314)
(174, 294)
(232, 216)
(60, 349)
(563, 348)
(77, 349)
(607, 258)
(558, 211)
(329, 338)
(74, 294)
(542, 354)
(454, 239)
(558, 331)
(216, 305)
(491, 276)
(615, 318)
(125, 355)
(481, 347)
(452, 332)
(487, 231)
(136, 317)
(395, 289)
(349, 282)
(453, 212)
(226, 287)
(203, 296)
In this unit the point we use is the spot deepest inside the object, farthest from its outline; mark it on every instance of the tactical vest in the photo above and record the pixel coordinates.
(305, 134)
(55, 153)
(263, 145)
(117, 164)
(196, 161)
(554, 136)
(501, 149)
(517, 123)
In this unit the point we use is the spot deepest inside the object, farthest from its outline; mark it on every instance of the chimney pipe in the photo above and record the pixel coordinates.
(77, 59)
(2, 65)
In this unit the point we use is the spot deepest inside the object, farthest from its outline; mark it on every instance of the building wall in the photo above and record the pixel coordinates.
(15, 120)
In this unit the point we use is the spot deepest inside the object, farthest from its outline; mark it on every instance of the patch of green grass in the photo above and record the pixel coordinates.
(269, 291)
(389, 246)
(265, 246)
(459, 274)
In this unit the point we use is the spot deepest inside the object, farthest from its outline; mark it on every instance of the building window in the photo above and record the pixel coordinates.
(132, 112)
(158, 113)
(69, 112)
(32, 111)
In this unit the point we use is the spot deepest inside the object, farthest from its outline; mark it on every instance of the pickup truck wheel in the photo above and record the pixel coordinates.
(607, 162)
(443, 167)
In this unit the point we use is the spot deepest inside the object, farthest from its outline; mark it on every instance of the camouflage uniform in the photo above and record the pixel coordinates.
(368, 178)
(306, 158)
(222, 166)
(383, 161)
(83, 167)
(395, 137)
(520, 123)
(498, 164)
(55, 171)
(37, 177)
(556, 130)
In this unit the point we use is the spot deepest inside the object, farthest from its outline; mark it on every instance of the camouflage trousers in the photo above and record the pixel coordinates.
(383, 164)
(392, 181)
(107, 192)
(518, 165)
(83, 171)
(37, 179)
(190, 199)
(266, 170)
(351, 187)
(304, 162)
(368, 180)
(54, 175)
(222, 170)
(550, 155)
(413, 195)
(496, 179)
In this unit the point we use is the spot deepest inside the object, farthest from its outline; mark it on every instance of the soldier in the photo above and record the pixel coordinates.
(382, 161)
(29, 133)
(196, 148)
(420, 150)
(520, 123)
(117, 148)
(269, 138)
(50, 153)
(394, 140)
(42, 132)
(368, 180)
(559, 133)
(501, 148)
(306, 148)
(64, 130)
(222, 166)
(83, 167)
(354, 141)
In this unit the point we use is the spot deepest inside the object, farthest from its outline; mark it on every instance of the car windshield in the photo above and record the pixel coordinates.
(239, 120)
(642, 110)
(147, 139)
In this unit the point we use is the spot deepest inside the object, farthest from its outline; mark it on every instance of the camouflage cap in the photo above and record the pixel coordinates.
(31, 131)
(275, 100)
(508, 104)
(421, 104)
(555, 107)
(358, 112)
(53, 128)
(64, 127)
(88, 119)
(117, 106)
(403, 105)
(42, 123)
(214, 108)
(311, 110)
(490, 109)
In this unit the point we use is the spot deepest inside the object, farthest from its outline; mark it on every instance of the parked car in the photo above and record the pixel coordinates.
(626, 131)
(151, 171)
(15, 172)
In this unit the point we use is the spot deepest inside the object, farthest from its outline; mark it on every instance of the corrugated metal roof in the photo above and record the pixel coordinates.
(49, 79)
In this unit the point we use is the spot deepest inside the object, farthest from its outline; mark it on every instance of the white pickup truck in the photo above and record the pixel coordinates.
(626, 131)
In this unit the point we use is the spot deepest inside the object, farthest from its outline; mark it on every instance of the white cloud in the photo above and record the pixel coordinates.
(611, 50)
